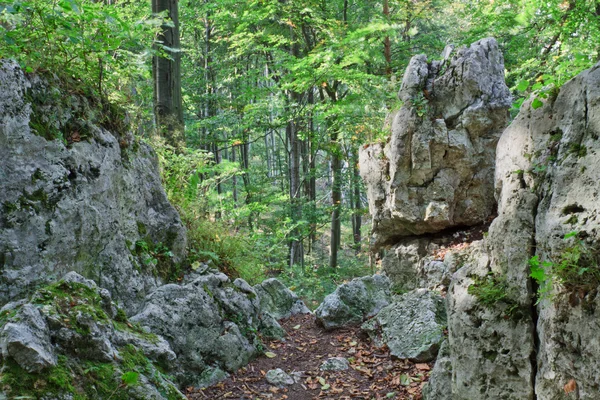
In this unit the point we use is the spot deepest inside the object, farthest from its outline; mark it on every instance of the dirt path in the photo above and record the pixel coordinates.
(372, 373)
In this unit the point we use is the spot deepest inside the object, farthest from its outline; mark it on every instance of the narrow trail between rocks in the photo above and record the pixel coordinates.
(373, 374)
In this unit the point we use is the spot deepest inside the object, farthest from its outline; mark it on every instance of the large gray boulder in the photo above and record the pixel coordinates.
(565, 133)
(279, 301)
(210, 323)
(437, 170)
(190, 318)
(27, 339)
(412, 326)
(76, 195)
(353, 302)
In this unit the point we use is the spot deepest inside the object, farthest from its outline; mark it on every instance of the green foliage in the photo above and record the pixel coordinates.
(420, 104)
(493, 291)
(313, 283)
(104, 45)
(575, 268)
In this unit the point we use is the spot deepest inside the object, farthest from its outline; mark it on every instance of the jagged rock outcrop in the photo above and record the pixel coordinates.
(437, 170)
(70, 339)
(502, 346)
(76, 195)
(412, 326)
(211, 323)
(565, 134)
(196, 333)
(353, 302)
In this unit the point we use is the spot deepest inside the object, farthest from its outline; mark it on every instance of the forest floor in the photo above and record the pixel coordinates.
(373, 374)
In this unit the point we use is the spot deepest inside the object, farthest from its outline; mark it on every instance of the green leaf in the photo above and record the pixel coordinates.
(405, 380)
(522, 86)
(130, 378)
(536, 103)
(270, 354)
(571, 234)
(322, 381)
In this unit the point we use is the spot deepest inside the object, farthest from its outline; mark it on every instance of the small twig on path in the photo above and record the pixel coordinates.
(252, 390)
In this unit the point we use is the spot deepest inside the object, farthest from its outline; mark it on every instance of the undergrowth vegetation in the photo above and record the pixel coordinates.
(253, 250)
(576, 269)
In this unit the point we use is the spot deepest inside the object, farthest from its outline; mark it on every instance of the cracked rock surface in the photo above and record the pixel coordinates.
(437, 170)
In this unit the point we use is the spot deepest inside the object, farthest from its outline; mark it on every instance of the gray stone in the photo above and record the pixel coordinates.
(437, 170)
(335, 364)
(208, 323)
(353, 302)
(278, 377)
(412, 326)
(406, 264)
(278, 300)
(566, 149)
(439, 385)
(26, 339)
(37, 332)
(79, 207)
(546, 186)
(211, 376)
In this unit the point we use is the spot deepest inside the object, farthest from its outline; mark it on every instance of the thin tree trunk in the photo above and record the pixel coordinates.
(387, 46)
(168, 109)
(336, 199)
(357, 205)
(234, 178)
(296, 248)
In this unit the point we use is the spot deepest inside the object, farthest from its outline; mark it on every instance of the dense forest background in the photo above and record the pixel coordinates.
(258, 108)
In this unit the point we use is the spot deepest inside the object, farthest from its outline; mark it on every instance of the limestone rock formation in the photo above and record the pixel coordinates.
(27, 339)
(440, 381)
(353, 302)
(211, 322)
(75, 195)
(412, 326)
(565, 134)
(66, 340)
(437, 170)
(79, 196)
(547, 186)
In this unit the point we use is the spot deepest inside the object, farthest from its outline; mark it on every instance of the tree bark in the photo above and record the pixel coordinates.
(296, 248)
(357, 204)
(387, 46)
(168, 109)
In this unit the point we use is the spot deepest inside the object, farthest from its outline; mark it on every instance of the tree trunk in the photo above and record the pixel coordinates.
(357, 204)
(296, 248)
(336, 199)
(387, 46)
(168, 109)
